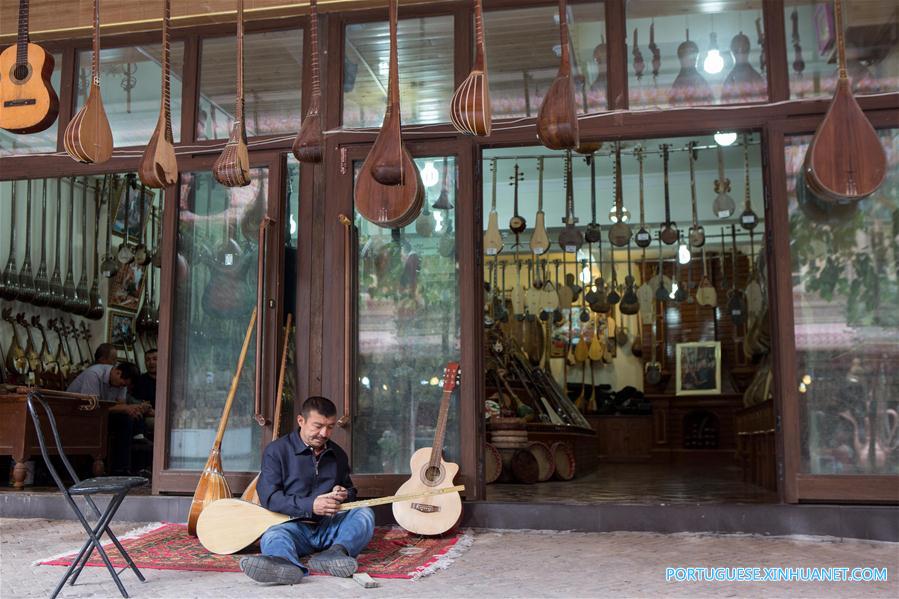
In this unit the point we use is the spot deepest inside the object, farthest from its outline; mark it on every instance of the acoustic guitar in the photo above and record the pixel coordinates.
(28, 103)
(308, 146)
(158, 165)
(232, 167)
(470, 110)
(434, 514)
(88, 137)
(228, 525)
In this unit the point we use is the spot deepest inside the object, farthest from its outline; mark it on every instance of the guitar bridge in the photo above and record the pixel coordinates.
(425, 508)
(20, 102)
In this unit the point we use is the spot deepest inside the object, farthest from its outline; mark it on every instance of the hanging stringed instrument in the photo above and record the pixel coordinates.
(723, 206)
(158, 166)
(28, 103)
(88, 137)
(748, 219)
(308, 146)
(845, 161)
(42, 295)
(56, 296)
(669, 233)
(493, 239)
(82, 293)
(570, 238)
(9, 280)
(539, 241)
(26, 291)
(620, 232)
(389, 191)
(517, 224)
(232, 167)
(434, 514)
(470, 110)
(592, 232)
(697, 232)
(557, 125)
(642, 237)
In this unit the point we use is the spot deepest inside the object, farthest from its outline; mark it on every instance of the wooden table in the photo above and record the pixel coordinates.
(82, 427)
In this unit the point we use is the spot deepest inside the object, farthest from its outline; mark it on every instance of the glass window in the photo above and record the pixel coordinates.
(273, 72)
(45, 141)
(130, 81)
(408, 329)
(425, 56)
(695, 53)
(872, 47)
(523, 52)
(215, 293)
(846, 310)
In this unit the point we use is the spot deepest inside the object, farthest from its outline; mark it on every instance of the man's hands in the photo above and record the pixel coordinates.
(133, 410)
(329, 503)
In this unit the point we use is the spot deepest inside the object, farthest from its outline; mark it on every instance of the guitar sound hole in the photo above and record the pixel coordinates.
(21, 72)
(432, 474)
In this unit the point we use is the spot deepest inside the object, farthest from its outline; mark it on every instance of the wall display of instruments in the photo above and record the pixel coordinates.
(647, 249)
(67, 258)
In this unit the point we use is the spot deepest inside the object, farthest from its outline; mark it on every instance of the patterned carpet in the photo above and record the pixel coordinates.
(392, 552)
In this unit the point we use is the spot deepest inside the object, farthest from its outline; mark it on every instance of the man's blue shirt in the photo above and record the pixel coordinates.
(293, 476)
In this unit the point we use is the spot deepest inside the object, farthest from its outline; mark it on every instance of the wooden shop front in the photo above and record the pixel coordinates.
(792, 401)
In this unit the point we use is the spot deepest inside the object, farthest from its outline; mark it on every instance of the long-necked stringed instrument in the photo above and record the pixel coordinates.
(158, 166)
(697, 232)
(26, 278)
(42, 296)
(9, 280)
(470, 110)
(570, 238)
(228, 525)
(232, 167)
(389, 191)
(213, 485)
(88, 137)
(539, 241)
(620, 232)
(493, 239)
(28, 102)
(557, 126)
(845, 161)
(308, 146)
(434, 514)
(669, 233)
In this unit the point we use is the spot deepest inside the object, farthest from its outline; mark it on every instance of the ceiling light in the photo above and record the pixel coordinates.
(725, 138)
(713, 63)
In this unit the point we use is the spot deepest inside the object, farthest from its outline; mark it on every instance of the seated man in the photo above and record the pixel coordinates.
(144, 390)
(106, 353)
(306, 475)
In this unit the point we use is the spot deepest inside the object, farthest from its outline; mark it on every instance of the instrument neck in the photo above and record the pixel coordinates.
(565, 67)
(841, 44)
(22, 39)
(479, 54)
(440, 433)
(240, 102)
(95, 58)
(313, 35)
(166, 67)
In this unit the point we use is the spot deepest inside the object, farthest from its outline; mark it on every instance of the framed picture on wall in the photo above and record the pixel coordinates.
(698, 368)
(126, 287)
(120, 328)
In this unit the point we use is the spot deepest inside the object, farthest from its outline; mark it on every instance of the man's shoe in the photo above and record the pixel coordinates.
(334, 561)
(272, 570)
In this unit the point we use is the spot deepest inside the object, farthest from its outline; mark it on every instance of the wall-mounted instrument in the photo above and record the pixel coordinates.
(517, 223)
(9, 280)
(669, 233)
(28, 102)
(470, 110)
(42, 296)
(748, 219)
(125, 253)
(630, 303)
(62, 353)
(639, 64)
(680, 293)
(661, 290)
(26, 278)
(600, 303)
(689, 87)
(158, 166)
(656, 52)
(110, 265)
(518, 294)
(760, 40)
(753, 290)
(570, 238)
(232, 167)
(845, 161)
(723, 206)
(31, 351)
(642, 238)
(736, 302)
(590, 294)
(653, 369)
(213, 485)
(493, 239)
(705, 293)
(49, 367)
(15, 355)
(82, 293)
(613, 296)
(88, 137)
(309, 144)
(557, 126)
(434, 514)
(141, 252)
(56, 294)
(70, 302)
(620, 232)
(798, 62)
(95, 302)
(539, 241)
(592, 232)
(533, 297)
(389, 191)
(645, 292)
(743, 81)
(697, 232)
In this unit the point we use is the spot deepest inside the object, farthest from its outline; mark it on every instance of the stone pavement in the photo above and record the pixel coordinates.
(500, 563)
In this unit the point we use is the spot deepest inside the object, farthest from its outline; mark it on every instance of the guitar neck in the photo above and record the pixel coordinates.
(397, 498)
(22, 39)
(440, 433)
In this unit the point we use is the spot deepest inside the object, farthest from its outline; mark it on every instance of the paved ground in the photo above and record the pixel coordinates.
(498, 564)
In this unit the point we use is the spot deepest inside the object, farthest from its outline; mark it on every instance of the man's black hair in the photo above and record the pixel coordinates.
(152, 350)
(317, 403)
(103, 351)
(128, 371)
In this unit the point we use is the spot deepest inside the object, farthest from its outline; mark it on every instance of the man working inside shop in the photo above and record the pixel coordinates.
(306, 475)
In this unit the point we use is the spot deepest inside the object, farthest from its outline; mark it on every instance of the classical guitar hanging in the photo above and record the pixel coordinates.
(28, 102)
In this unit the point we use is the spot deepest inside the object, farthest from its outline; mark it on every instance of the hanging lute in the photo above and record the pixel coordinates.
(158, 165)
(87, 137)
(557, 126)
(845, 161)
(470, 110)
(232, 167)
(309, 143)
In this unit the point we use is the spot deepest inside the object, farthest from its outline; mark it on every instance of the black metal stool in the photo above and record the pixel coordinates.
(117, 486)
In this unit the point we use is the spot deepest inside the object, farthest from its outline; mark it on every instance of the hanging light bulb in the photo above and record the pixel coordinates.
(713, 63)
(683, 254)
(613, 214)
(725, 138)
(586, 275)
(429, 174)
(674, 288)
